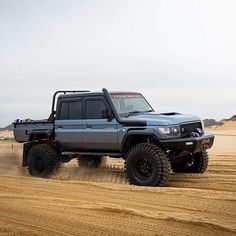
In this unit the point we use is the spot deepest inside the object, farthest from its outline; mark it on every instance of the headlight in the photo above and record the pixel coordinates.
(170, 130)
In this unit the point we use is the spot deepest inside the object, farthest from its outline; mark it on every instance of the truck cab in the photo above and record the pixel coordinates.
(82, 122)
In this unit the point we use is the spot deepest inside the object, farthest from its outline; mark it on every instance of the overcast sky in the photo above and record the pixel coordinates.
(180, 54)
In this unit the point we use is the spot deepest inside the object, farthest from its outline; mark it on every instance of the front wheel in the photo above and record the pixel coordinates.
(192, 163)
(147, 165)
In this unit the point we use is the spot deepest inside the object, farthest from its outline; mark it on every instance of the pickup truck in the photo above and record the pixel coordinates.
(89, 125)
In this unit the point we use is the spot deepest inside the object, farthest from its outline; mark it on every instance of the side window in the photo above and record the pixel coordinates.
(75, 110)
(70, 110)
(94, 109)
(63, 115)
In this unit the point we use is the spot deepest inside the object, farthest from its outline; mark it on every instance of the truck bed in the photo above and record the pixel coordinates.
(23, 129)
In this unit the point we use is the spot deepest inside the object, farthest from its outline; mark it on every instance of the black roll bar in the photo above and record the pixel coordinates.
(63, 92)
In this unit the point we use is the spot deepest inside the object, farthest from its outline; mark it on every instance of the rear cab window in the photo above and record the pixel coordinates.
(70, 110)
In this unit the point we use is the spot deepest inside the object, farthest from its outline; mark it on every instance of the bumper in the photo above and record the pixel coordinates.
(192, 144)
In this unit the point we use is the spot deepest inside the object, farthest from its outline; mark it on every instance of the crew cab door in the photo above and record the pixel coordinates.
(100, 133)
(69, 124)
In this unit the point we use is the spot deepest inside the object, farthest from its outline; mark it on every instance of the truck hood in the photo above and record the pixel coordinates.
(156, 119)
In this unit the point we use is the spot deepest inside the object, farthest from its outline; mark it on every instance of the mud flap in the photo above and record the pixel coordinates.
(26, 148)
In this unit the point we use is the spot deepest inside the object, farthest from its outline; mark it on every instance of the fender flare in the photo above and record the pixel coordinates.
(147, 132)
(45, 133)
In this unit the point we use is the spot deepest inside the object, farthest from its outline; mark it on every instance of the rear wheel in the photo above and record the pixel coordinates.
(43, 161)
(192, 163)
(89, 161)
(147, 165)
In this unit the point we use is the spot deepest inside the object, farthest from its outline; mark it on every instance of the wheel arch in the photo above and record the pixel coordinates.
(134, 137)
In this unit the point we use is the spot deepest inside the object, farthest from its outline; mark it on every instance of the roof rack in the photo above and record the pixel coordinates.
(64, 92)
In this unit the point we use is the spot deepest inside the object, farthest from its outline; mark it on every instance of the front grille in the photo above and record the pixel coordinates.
(187, 129)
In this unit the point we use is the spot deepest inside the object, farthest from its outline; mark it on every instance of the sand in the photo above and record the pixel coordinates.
(101, 202)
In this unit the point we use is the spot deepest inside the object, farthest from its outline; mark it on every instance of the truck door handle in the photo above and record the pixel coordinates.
(60, 126)
(88, 126)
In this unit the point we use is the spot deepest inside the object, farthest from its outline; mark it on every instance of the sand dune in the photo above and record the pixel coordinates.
(226, 126)
(101, 202)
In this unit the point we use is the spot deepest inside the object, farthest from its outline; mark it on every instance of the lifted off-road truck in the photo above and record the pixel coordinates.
(88, 125)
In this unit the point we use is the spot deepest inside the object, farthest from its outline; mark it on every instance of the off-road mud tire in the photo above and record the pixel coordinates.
(43, 161)
(198, 164)
(157, 160)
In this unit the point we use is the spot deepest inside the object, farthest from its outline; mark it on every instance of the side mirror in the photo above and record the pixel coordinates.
(106, 114)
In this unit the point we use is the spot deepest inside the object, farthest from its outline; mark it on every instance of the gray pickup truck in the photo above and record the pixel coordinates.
(88, 125)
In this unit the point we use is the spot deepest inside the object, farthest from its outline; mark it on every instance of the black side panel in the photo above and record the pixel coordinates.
(40, 134)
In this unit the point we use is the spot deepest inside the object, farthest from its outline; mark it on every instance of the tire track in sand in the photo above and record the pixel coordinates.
(90, 202)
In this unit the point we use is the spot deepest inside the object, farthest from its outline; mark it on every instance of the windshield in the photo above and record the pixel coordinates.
(130, 103)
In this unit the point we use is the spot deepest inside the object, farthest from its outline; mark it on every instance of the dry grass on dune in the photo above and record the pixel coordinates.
(6, 134)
